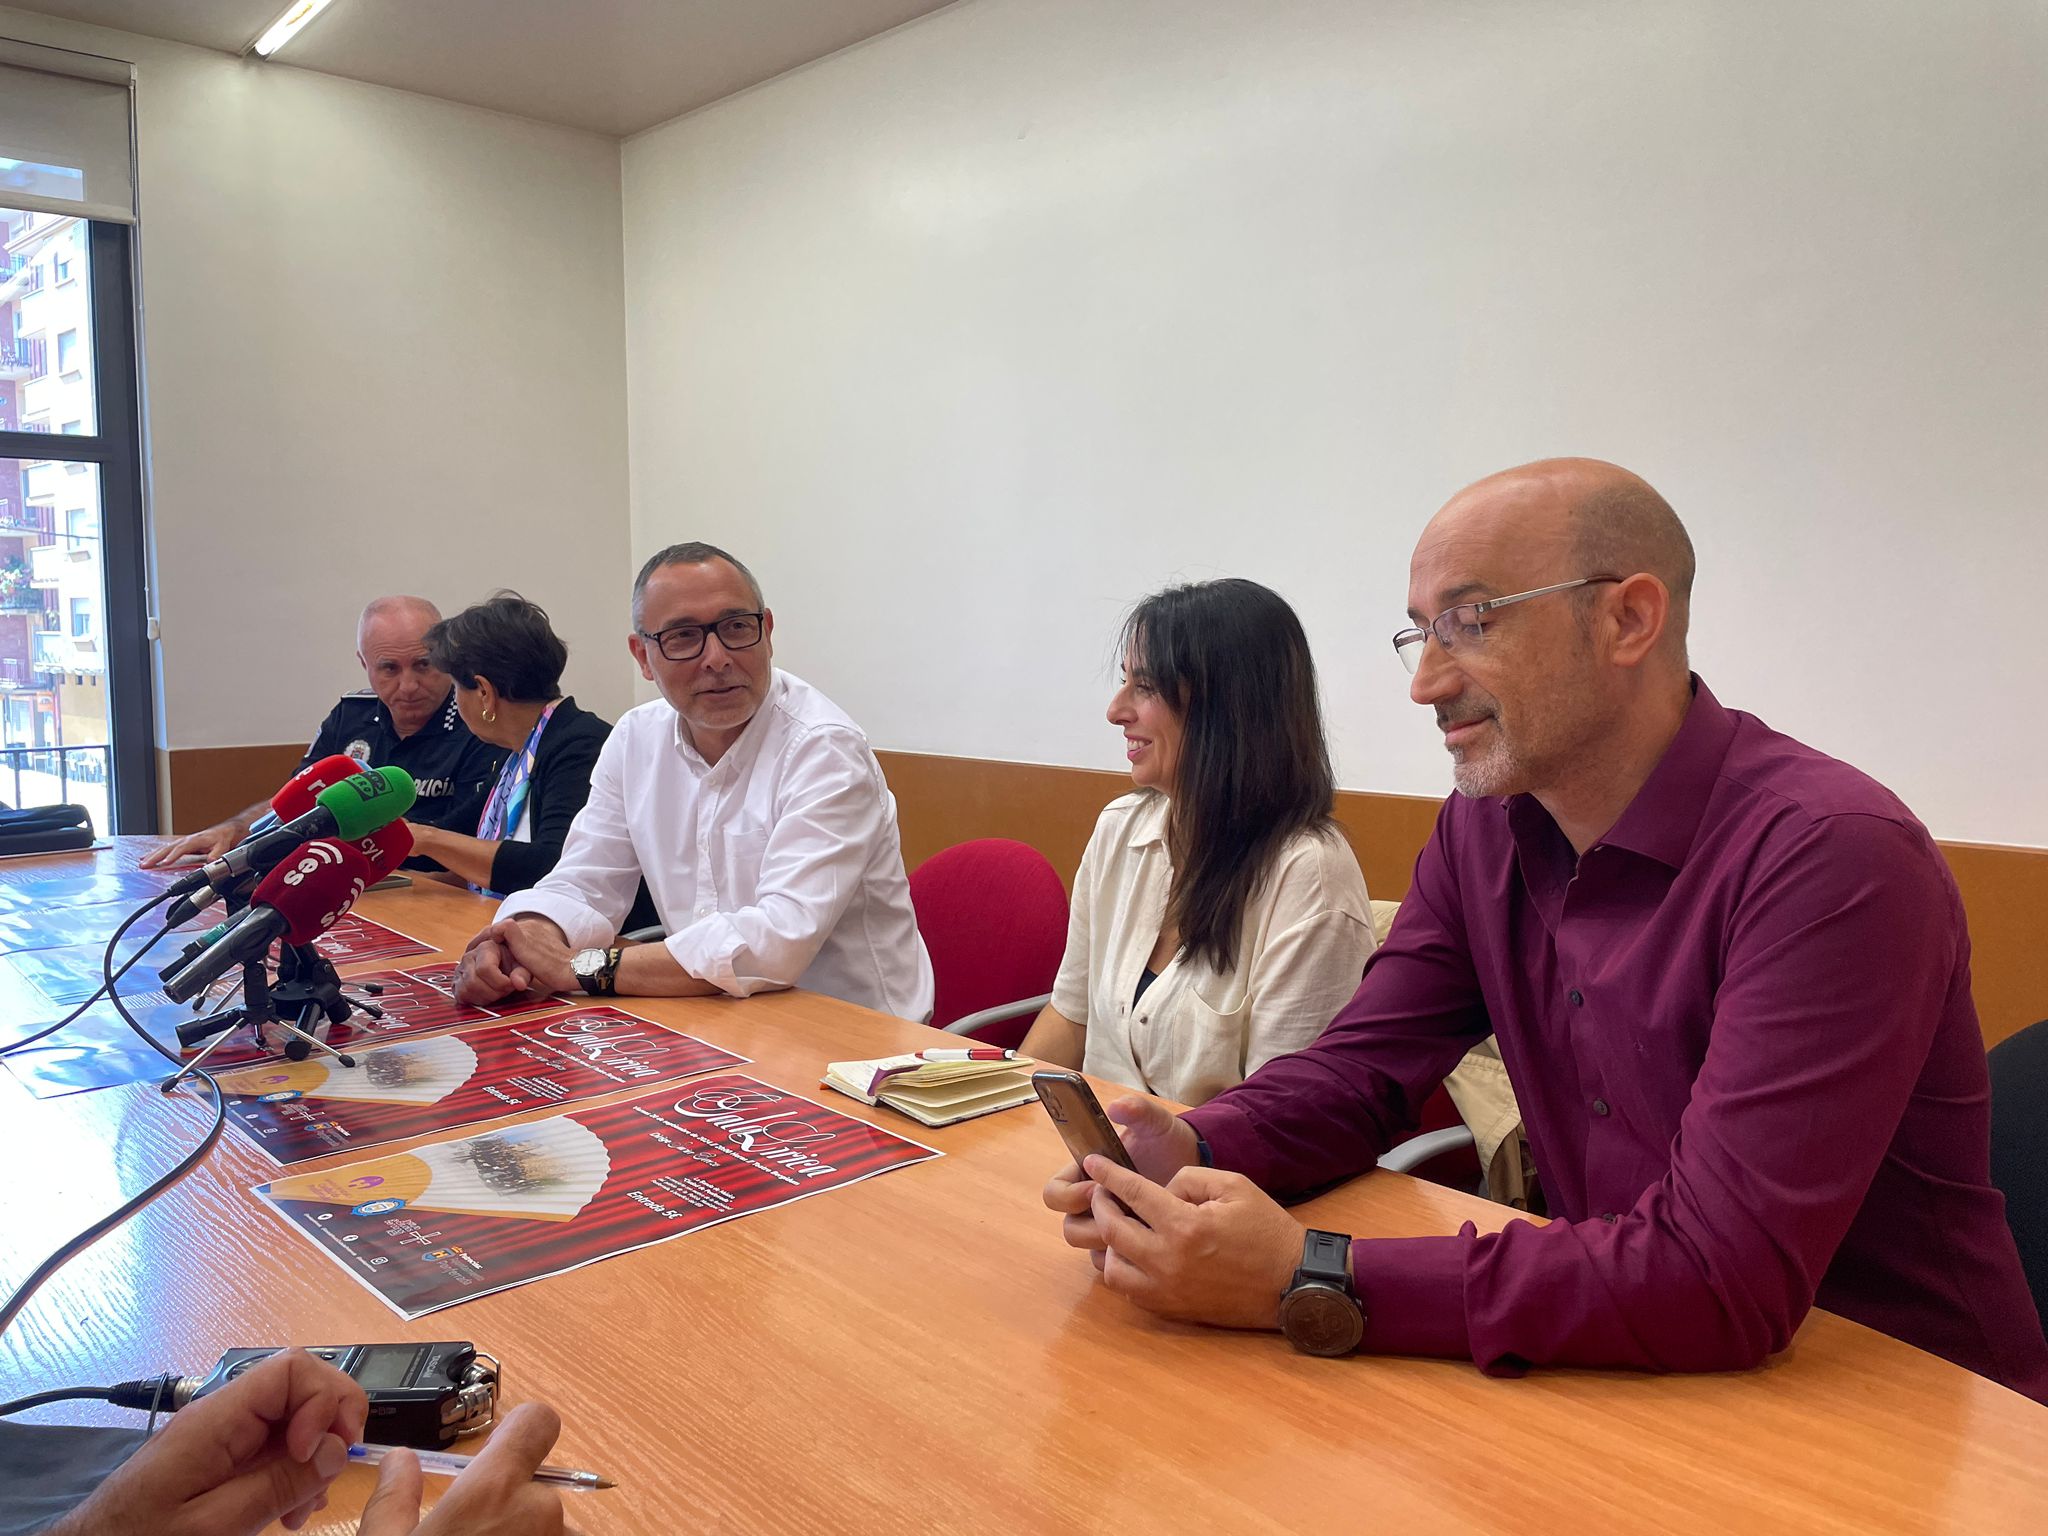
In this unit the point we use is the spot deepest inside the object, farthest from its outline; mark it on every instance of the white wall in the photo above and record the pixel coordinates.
(385, 351)
(968, 337)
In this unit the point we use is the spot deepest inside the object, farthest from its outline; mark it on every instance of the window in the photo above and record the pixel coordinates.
(73, 648)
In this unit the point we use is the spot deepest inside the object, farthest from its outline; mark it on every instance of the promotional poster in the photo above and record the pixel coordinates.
(414, 1002)
(294, 1110)
(445, 1223)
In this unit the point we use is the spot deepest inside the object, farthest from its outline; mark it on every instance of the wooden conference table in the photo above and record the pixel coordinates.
(920, 1352)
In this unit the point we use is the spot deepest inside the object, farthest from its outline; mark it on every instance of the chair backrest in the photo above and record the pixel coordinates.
(2019, 1147)
(994, 918)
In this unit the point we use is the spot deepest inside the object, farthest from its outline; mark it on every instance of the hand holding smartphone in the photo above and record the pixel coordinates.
(1079, 1118)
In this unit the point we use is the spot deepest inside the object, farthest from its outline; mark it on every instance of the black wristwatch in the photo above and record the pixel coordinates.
(1320, 1314)
(597, 970)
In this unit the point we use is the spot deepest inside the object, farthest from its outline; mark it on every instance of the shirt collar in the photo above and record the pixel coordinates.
(748, 742)
(1148, 826)
(1664, 818)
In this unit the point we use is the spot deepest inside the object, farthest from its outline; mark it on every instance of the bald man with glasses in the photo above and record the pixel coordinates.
(1729, 978)
(752, 806)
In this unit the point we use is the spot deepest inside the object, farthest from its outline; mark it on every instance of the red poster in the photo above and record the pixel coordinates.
(414, 1003)
(454, 1220)
(294, 1110)
(354, 939)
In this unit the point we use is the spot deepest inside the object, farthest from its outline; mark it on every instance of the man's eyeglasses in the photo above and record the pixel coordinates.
(1466, 623)
(685, 642)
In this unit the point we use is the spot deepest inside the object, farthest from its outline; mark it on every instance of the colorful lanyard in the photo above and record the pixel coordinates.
(508, 796)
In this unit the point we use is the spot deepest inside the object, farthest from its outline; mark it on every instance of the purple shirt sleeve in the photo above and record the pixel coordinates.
(1838, 964)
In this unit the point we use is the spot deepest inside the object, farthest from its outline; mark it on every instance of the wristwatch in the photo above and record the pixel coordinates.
(597, 971)
(1320, 1313)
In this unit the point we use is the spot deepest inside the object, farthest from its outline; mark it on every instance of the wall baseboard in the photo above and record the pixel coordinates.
(945, 800)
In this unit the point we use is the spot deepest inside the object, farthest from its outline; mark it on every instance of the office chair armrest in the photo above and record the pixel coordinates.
(1416, 1151)
(653, 933)
(996, 1015)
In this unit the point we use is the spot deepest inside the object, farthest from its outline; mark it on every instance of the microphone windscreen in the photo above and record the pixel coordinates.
(363, 802)
(386, 849)
(297, 796)
(313, 887)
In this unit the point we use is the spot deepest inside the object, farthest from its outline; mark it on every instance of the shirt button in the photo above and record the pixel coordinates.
(1599, 1106)
(1609, 1217)
(1578, 998)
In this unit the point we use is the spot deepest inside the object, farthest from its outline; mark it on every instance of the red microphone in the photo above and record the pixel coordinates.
(386, 848)
(299, 900)
(297, 795)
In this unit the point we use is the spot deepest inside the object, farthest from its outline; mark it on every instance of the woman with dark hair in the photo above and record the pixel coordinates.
(507, 663)
(1219, 917)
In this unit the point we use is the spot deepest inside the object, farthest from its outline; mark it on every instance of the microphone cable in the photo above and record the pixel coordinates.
(24, 1292)
(79, 1012)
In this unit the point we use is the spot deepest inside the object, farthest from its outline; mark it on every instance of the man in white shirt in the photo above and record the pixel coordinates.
(753, 808)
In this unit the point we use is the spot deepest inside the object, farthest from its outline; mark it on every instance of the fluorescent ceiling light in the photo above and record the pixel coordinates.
(288, 26)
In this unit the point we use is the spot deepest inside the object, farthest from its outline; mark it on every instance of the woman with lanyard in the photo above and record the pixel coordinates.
(507, 663)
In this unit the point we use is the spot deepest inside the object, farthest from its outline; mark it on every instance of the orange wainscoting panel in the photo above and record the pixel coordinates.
(945, 800)
(203, 785)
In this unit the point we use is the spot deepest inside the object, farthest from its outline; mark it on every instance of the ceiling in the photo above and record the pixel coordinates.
(615, 66)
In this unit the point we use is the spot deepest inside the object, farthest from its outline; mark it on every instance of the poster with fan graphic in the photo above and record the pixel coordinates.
(294, 1110)
(450, 1221)
(414, 1002)
(354, 939)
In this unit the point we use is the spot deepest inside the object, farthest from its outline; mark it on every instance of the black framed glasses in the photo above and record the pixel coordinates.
(1466, 623)
(685, 642)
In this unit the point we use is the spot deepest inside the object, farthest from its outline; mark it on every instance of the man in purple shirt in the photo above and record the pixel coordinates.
(1729, 977)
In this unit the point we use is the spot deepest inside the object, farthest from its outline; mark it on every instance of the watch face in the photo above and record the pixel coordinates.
(587, 962)
(1320, 1319)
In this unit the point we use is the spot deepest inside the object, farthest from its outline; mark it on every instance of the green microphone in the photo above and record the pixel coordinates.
(346, 810)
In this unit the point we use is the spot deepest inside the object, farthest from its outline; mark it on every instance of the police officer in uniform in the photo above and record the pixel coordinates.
(405, 719)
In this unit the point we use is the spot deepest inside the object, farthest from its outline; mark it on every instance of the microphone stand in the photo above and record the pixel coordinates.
(305, 1002)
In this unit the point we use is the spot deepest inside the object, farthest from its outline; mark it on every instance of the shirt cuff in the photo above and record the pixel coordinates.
(1413, 1292)
(706, 948)
(1233, 1141)
(583, 928)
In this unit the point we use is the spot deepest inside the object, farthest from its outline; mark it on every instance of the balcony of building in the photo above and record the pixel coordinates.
(22, 357)
(50, 564)
(20, 517)
(18, 276)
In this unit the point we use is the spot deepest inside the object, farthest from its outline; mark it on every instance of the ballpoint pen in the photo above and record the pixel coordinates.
(447, 1464)
(970, 1053)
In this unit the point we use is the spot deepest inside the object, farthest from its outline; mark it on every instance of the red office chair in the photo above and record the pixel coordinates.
(994, 918)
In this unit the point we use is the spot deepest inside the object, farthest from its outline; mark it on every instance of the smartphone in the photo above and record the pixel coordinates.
(393, 883)
(1078, 1116)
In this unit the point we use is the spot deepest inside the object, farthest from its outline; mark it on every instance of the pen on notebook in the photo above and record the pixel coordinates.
(971, 1053)
(446, 1464)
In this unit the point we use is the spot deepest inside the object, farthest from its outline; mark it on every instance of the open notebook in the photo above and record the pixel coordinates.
(936, 1092)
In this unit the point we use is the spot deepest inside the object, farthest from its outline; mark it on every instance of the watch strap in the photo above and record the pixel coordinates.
(1325, 1256)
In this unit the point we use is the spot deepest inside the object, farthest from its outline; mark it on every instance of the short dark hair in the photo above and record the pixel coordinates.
(691, 552)
(1231, 659)
(506, 639)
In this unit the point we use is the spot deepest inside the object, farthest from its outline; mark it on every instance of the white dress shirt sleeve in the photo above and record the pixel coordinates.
(591, 888)
(831, 817)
